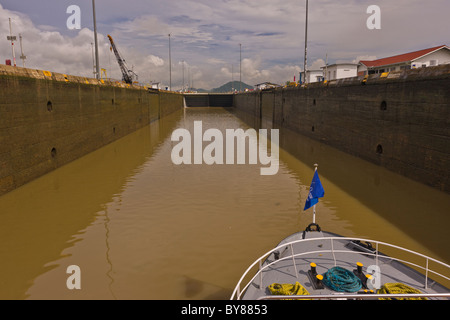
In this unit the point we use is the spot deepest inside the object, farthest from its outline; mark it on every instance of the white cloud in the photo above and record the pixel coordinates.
(215, 61)
(156, 61)
(364, 57)
(316, 65)
(46, 49)
(206, 34)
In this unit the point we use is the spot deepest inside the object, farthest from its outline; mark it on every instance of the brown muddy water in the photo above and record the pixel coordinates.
(140, 227)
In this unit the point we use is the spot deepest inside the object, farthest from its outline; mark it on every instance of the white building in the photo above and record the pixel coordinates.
(266, 85)
(417, 59)
(340, 71)
(155, 85)
(312, 76)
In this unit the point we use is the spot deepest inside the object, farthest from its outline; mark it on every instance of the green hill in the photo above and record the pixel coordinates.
(228, 87)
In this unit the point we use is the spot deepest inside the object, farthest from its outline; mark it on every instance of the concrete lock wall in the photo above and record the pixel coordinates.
(49, 119)
(399, 120)
(208, 100)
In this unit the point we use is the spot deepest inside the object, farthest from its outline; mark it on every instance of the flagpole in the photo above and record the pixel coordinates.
(316, 191)
(314, 207)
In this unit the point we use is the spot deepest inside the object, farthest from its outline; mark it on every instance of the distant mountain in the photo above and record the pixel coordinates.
(232, 85)
(228, 87)
(199, 90)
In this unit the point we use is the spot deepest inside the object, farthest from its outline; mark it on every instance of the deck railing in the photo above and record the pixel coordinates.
(371, 296)
(238, 291)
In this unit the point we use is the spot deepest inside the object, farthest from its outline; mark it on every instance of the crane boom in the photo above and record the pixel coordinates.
(126, 74)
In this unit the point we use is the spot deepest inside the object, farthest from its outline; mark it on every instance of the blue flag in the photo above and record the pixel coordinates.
(315, 192)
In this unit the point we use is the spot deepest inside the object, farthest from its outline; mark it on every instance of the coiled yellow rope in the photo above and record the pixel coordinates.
(398, 288)
(288, 289)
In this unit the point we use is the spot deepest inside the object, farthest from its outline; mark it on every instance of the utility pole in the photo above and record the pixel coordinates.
(183, 77)
(23, 57)
(12, 39)
(306, 40)
(170, 66)
(97, 64)
(93, 59)
(189, 79)
(232, 80)
(240, 67)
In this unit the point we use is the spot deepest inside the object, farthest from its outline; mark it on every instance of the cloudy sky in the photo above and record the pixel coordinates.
(206, 35)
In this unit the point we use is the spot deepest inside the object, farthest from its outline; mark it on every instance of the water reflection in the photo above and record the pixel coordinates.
(418, 211)
(45, 217)
(141, 227)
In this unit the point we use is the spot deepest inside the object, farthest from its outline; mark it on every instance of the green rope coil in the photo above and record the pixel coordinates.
(341, 280)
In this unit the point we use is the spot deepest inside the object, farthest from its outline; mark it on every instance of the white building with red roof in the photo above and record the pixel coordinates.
(417, 59)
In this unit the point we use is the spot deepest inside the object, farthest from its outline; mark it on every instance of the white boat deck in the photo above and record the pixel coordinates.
(290, 262)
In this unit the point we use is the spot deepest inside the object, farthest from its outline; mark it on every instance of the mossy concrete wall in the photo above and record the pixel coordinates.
(399, 120)
(49, 119)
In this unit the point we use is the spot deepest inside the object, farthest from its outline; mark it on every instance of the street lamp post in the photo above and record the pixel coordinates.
(93, 59)
(170, 66)
(183, 77)
(97, 64)
(240, 67)
(306, 40)
(232, 80)
(23, 57)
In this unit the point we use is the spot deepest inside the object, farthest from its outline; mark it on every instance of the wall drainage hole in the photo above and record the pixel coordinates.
(53, 152)
(379, 149)
(49, 106)
(383, 105)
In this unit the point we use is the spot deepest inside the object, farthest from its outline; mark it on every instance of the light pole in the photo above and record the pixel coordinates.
(97, 64)
(182, 90)
(23, 57)
(232, 80)
(93, 59)
(170, 66)
(189, 79)
(12, 39)
(306, 40)
(240, 67)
